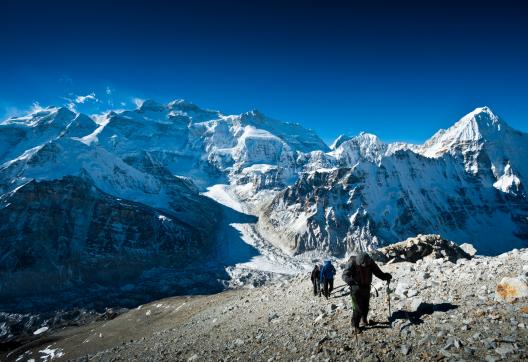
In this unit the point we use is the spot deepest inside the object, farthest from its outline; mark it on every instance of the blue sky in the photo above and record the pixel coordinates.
(400, 70)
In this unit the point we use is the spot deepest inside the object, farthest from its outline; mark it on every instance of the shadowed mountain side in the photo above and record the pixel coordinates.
(118, 254)
(231, 247)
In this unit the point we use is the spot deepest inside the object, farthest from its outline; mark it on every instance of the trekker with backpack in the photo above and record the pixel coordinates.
(327, 278)
(316, 281)
(358, 275)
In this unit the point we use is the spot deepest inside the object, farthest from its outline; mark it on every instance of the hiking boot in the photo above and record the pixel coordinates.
(356, 330)
(365, 322)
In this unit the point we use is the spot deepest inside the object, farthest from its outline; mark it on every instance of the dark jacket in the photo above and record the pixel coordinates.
(327, 271)
(315, 274)
(359, 272)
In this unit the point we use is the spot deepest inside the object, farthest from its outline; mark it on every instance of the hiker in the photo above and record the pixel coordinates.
(358, 275)
(316, 281)
(327, 278)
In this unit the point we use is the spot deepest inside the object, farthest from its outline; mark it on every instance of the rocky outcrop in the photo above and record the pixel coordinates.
(420, 247)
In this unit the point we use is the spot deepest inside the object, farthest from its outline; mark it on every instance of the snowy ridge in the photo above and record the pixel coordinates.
(366, 193)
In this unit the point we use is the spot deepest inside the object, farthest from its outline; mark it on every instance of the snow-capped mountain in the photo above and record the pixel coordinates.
(464, 183)
(78, 193)
(485, 143)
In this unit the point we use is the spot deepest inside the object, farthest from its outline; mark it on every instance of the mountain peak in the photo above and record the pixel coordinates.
(152, 106)
(483, 117)
(479, 125)
(339, 141)
(182, 104)
(40, 116)
(181, 107)
(254, 113)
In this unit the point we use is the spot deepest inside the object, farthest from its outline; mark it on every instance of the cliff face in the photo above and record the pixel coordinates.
(62, 233)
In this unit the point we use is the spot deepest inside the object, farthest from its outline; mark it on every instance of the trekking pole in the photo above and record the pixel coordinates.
(355, 307)
(388, 300)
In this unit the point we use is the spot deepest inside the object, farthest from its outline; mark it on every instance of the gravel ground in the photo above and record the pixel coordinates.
(440, 311)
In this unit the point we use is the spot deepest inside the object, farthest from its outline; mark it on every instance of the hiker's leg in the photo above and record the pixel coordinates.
(364, 304)
(314, 287)
(356, 314)
(326, 293)
(331, 281)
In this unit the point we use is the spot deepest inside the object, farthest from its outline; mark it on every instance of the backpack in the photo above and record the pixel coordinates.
(348, 273)
(328, 271)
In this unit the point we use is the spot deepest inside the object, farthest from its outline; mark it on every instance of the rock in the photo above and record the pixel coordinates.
(489, 343)
(476, 336)
(425, 275)
(411, 293)
(510, 289)
(415, 304)
(469, 249)
(401, 289)
(272, 316)
(505, 349)
(322, 340)
(490, 358)
(405, 349)
(457, 343)
(425, 246)
(450, 343)
(108, 314)
(405, 325)
(426, 340)
(194, 357)
(319, 318)
(331, 307)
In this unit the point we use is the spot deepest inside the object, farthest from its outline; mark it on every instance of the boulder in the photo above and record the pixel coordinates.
(469, 249)
(510, 289)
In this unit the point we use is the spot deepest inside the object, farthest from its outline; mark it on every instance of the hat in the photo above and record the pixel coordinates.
(362, 258)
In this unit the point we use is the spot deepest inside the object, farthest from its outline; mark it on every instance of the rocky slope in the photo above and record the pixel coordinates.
(440, 310)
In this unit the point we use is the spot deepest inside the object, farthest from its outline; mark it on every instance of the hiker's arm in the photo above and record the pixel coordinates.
(377, 272)
(349, 275)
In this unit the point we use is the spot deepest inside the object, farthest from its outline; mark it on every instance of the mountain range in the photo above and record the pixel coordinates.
(102, 199)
